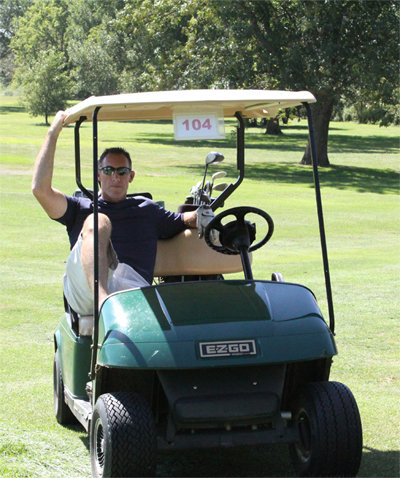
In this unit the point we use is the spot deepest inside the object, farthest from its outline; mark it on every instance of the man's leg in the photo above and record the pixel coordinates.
(87, 255)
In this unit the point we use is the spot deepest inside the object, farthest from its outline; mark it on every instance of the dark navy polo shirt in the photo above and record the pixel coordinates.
(137, 224)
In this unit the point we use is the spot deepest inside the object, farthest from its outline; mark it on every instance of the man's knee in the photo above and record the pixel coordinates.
(104, 226)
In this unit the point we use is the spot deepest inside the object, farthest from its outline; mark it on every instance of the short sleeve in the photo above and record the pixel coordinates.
(170, 223)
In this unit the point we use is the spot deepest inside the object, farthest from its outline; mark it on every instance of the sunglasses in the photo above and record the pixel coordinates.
(109, 170)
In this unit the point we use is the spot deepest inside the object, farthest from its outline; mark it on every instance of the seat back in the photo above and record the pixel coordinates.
(186, 254)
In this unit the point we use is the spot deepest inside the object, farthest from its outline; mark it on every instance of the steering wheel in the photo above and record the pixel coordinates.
(238, 234)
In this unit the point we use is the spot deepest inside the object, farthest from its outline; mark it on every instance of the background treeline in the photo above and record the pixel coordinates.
(344, 51)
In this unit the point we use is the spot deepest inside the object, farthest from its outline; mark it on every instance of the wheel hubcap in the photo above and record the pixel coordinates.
(99, 436)
(303, 447)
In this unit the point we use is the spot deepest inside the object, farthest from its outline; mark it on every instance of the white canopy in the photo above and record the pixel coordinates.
(160, 105)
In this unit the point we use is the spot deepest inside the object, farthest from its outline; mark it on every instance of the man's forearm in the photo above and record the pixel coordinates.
(52, 201)
(44, 164)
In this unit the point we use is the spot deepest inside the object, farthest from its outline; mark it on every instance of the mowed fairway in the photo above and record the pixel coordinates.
(360, 194)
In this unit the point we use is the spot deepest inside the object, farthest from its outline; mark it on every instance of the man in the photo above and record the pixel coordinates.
(128, 227)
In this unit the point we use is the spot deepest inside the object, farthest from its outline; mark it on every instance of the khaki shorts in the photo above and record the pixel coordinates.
(76, 288)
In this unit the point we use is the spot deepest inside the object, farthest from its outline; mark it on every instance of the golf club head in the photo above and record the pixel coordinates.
(217, 175)
(195, 191)
(220, 187)
(204, 199)
(214, 157)
(195, 188)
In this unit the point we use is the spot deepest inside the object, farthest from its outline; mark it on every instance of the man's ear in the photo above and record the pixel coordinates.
(131, 176)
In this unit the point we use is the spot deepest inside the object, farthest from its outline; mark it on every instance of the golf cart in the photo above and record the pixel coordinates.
(198, 360)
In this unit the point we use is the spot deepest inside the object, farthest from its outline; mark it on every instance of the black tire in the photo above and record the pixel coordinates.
(62, 411)
(122, 436)
(329, 423)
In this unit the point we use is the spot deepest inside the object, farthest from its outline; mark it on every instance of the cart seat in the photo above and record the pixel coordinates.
(186, 254)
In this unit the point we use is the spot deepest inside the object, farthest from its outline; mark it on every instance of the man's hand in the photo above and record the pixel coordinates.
(200, 219)
(57, 123)
(204, 216)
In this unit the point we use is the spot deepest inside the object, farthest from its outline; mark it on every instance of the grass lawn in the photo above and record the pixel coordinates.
(360, 194)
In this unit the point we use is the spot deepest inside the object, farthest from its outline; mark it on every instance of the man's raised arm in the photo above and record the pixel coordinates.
(52, 201)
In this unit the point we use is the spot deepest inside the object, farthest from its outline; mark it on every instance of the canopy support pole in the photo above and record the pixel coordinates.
(239, 164)
(95, 249)
(314, 159)
(78, 158)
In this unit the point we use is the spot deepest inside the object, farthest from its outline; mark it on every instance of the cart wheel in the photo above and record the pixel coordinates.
(122, 436)
(329, 425)
(62, 411)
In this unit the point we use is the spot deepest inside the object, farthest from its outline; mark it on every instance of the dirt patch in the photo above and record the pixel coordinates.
(17, 172)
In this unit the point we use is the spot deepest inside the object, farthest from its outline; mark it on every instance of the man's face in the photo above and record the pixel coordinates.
(114, 187)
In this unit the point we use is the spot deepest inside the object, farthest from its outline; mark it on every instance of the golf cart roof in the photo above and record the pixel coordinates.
(160, 105)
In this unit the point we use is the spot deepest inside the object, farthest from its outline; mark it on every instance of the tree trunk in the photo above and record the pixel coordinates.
(273, 127)
(321, 113)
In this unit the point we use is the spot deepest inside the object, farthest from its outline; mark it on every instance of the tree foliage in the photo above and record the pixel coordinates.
(46, 85)
(337, 49)
(91, 49)
(334, 48)
(10, 10)
(41, 58)
(42, 28)
(152, 35)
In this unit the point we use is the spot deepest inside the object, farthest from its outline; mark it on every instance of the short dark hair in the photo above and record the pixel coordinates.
(116, 150)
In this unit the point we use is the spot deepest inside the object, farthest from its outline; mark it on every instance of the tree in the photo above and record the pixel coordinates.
(332, 48)
(91, 49)
(337, 49)
(41, 57)
(93, 63)
(152, 35)
(9, 11)
(47, 87)
(42, 28)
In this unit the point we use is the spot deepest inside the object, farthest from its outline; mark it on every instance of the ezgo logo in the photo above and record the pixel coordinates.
(227, 348)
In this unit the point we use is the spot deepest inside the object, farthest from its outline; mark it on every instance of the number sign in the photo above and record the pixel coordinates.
(198, 126)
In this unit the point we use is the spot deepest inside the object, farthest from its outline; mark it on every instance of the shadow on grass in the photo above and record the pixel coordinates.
(85, 440)
(338, 143)
(363, 144)
(260, 461)
(11, 109)
(365, 180)
(257, 461)
(360, 179)
(377, 463)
